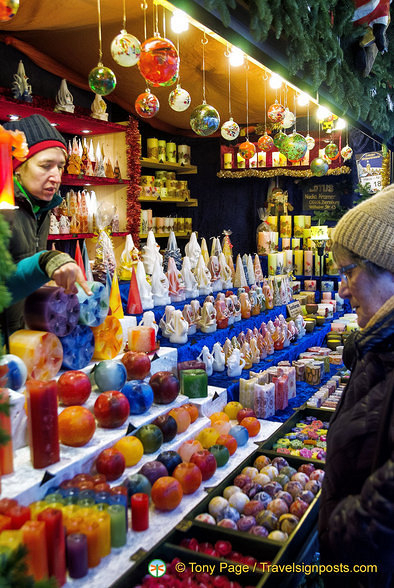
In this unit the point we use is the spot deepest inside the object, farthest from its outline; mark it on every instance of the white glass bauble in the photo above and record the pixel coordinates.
(310, 141)
(288, 119)
(229, 130)
(346, 152)
(125, 49)
(179, 99)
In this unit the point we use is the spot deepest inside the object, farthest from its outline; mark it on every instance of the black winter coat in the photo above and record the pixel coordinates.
(356, 519)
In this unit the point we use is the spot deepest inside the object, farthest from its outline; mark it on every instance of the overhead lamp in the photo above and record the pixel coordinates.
(236, 57)
(341, 124)
(303, 99)
(179, 22)
(322, 113)
(275, 82)
(13, 117)
(86, 131)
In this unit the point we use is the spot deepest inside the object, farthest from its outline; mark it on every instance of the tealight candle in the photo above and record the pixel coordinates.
(140, 511)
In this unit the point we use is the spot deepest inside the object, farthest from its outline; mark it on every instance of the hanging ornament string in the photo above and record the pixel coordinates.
(102, 80)
(99, 32)
(164, 24)
(265, 101)
(156, 20)
(229, 85)
(307, 119)
(295, 113)
(247, 100)
(204, 41)
(124, 15)
(144, 8)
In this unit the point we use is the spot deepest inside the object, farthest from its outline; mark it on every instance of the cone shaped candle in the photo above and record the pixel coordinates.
(115, 302)
(191, 286)
(144, 287)
(176, 285)
(193, 250)
(225, 272)
(204, 251)
(213, 246)
(159, 285)
(214, 268)
(251, 276)
(128, 259)
(258, 273)
(150, 252)
(173, 251)
(134, 305)
(203, 276)
(78, 257)
(240, 278)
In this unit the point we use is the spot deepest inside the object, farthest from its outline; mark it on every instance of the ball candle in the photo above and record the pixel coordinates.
(35, 541)
(42, 422)
(118, 525)
(77, 555)
(139, 511)
(55, 541)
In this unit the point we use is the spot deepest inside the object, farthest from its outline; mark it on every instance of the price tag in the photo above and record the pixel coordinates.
(294, 308)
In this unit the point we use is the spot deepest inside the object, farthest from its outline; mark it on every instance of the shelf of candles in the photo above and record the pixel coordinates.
(189, 203)
(74, 180)
(182, 235)
(177, 167)
(69, 236)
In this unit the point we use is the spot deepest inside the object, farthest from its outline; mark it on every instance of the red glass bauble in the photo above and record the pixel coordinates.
(159, 61)
(147, 105)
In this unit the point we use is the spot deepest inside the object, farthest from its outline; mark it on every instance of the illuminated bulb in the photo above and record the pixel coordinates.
(13, 117)
(236, 57)
(85, 131)
(322, 113)
(54, 124)
(303, 99)
(275, 82)
(341, 124)
(179, 22)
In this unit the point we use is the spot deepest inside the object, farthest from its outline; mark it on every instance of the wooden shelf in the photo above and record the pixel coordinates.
(192, 202)
(166, 235)
(73, 180)
(176, 167)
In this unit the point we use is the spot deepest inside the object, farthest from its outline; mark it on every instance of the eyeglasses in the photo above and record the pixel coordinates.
(344, 270)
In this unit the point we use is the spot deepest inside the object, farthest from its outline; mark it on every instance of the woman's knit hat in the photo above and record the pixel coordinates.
(368, 229)
(39, 133)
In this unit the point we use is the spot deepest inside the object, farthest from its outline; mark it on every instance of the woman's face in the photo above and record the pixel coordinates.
(42, 173)
(366, 293)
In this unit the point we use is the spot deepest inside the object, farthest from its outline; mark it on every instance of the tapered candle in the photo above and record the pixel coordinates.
(194, 383)
(6, 455)
(55, 540)
(77, 555)
(104, 521)
(19, 515)
(91, 529)
(118, 525)
(139, 511)
(35, 540)
(42, 422)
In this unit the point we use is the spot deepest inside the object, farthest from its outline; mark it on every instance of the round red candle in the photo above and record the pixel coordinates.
(140, 511)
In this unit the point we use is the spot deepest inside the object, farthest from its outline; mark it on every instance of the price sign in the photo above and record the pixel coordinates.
(294, 309)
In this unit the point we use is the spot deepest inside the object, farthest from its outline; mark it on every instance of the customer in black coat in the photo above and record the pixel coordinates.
(356, 519)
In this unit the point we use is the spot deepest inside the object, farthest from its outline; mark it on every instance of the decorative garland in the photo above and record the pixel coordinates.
(280, 171)
(133, 206)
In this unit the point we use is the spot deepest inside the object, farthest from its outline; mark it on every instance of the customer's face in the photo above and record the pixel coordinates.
(42, 173)
(366, 293)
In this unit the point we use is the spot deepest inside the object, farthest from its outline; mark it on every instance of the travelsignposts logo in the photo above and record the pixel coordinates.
(157, 568)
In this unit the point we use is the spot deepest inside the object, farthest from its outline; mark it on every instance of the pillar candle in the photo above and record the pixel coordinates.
(285, 243)
(261, 159)
(36, 508)
(139, 511)
(6, 504)
(299, 223)
(55, 540)
(35, 540)
(298, 262)
(183, 154)
(118, 525)
(246, 392)
(171, 152)
(240, 161)
(6, 452)
(272, 220)
(5, 522)
(108, 338)
(77, 554)
(42, 422)
(121, 499)
(295, 243)
(263, 242)
(11, 538)
(19, 515)
(91, 529)
(317, 264)
(253, 161)
(272, 264)
(104, 521)
(279, 262)
(50, 309)
(264, 401)
(285, 226)
(308, 263)
(194, 383)
(274, 240)
(94, 308)
(162, 150)
(141, 338)
(152, 148)
(306, 234)
(282, 393)
(307, 221)
(227, 160)
(288, 258)
(42, 352)
(310, 285)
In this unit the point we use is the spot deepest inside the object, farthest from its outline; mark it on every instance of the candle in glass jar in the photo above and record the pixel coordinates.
(35, 541)
(42, 422)
(55, 541)
(77, 555)
(118, 525)
(139, 511)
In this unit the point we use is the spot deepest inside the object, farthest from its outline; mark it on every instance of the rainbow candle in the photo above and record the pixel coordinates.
(42, 352)
(42, 422)
(142, 338)
(35, 540)
(55, 542)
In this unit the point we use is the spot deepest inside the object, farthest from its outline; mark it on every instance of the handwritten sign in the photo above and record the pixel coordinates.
(294, 309)
(321, 197)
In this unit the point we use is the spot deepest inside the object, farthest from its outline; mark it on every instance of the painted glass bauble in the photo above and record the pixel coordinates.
(8, 9)
(265, 143)
(276, 112)
(319, 167)
(204, 120)
(179, 99)
(295, 147)
(346, 152)
(170, 82)
(125, 49)
(159, 61)
(279, 140)
(288, 119)
(332, 151)
(102, 80)
(229, 130)
(310, 141)
(147, 104)
(246, 150)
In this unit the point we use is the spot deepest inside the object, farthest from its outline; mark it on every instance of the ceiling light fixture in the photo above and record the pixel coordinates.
(303, 99)
(275, 81)
(341, 124)
(322, 113)
(236, 57)
(179, 22)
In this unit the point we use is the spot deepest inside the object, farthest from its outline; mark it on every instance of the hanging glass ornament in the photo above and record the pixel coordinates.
(265, 143)
(204, 120)
(276, 112)
(170, 82)
(346, 152)
(310, 141)
(229, 130)
(125, 49)
(102, 80)
(8, 9)
(246, 150)
(159, 61)
(319, 167)
(147, 104)
(332, 151)
(288, 119)
(279, 140)
(179, 99)
(295, 147)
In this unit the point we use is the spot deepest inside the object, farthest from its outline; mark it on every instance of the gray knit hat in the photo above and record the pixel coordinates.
(368, 229)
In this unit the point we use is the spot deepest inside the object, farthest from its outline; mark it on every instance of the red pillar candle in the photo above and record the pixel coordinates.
(55, 542)
(139, 511)
(5, 522)
(19, 515)
(6, 504)
(35, 540)
(6, 455)
(42, 422)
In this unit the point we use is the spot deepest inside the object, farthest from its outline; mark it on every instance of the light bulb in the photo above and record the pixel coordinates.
(341, 124)
(236, 57)
(322, 113)
(275, 81)
(179, 22)
(303, 99)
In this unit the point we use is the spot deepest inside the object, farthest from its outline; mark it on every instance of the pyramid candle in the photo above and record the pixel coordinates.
(194, 383)
(35, 541)
(42, 422)
(50, 309)
(55, 542)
